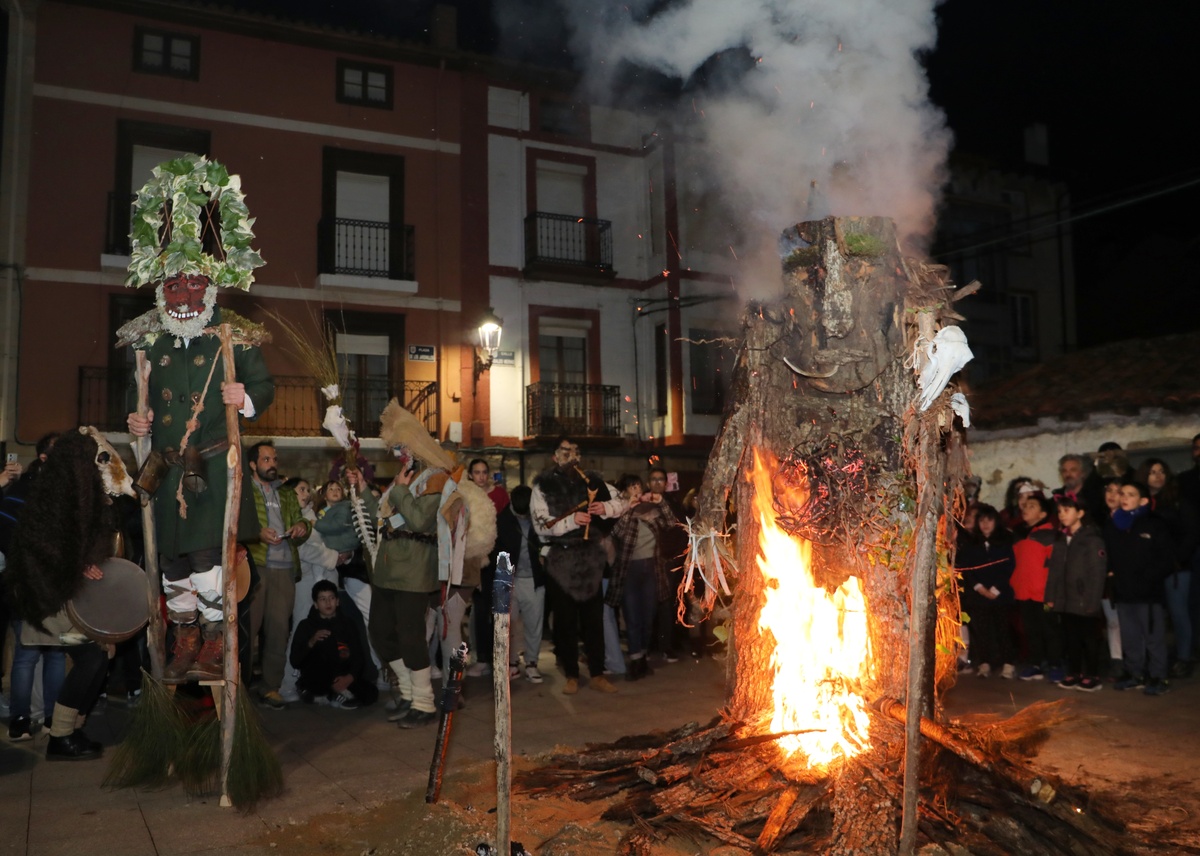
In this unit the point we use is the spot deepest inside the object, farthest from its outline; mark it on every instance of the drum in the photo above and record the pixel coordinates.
(113, 608)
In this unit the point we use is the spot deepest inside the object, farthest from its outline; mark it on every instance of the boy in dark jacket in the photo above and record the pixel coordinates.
(1140, 557)
(1074, 588)
(327, 651)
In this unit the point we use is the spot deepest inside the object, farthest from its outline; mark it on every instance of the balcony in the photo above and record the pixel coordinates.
(297, 410)
(366, 248)
(572, 249)
(577, 409)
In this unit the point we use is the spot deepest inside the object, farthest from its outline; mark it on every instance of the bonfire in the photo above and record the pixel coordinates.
(841, 460)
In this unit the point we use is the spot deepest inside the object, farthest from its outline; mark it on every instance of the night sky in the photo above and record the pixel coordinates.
(1116, 85)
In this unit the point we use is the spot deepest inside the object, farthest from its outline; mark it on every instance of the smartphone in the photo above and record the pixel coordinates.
(11, 458)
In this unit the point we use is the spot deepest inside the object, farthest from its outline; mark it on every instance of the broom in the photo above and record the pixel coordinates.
(154, 742)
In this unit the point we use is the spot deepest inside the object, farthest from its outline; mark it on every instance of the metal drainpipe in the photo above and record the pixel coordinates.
(14, 131)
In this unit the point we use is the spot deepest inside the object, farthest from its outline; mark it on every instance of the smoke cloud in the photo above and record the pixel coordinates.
(806, 107)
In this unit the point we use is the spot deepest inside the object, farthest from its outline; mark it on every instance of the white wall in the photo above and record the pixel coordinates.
(997, 457)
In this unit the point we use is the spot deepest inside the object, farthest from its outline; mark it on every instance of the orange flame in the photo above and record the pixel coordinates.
(822, 648)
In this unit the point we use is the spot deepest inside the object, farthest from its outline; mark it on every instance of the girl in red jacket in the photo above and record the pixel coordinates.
(1042, 643)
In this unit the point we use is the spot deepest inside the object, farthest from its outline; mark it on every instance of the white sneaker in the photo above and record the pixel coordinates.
(984, 671)
(290, 696)
(478, 670)
(435, 673)
(514, 671)
(533, 675)
(1008, 672)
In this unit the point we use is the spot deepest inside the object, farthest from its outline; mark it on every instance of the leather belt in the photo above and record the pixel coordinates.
(390, 534)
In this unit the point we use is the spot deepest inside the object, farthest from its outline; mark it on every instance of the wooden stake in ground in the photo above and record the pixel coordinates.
(233, 502)
(930, 492)
(155, 636)
(501, 600)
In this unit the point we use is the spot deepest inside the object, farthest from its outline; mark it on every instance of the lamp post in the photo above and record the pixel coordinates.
(490, 328)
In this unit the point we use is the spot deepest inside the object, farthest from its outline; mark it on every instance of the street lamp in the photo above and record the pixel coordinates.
(490, 328)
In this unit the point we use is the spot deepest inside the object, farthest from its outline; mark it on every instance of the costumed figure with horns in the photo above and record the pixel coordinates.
(66, 538)
(433, 530)
(191, 235)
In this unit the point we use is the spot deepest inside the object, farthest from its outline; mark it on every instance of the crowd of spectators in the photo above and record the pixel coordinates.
(306, 620)
(1086, 583)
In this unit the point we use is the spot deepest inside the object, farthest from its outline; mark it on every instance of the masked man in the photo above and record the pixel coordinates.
(567, 506)
(184, 248)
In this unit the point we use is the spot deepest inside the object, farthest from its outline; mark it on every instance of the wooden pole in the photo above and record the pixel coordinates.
(501, 600)
(931, 469)
(155, 636)
(233, 502)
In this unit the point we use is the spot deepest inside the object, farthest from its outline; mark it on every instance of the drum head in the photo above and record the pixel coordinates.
(115, 607)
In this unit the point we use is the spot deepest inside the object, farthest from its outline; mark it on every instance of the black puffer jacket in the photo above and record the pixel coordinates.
(1139, 559)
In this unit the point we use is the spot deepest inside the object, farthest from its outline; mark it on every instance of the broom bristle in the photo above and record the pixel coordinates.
(199, 765)
(254, 771)
(153, 742)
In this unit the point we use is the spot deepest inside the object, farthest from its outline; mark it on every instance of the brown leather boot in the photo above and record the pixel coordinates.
(209, 664)
(183, 653)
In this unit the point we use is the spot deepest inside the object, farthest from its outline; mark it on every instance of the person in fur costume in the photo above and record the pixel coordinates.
(67, 530)
(568, 506)
(437, 528)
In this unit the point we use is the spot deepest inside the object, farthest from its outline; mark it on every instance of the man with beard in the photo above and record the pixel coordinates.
(283, 529)
(565, 502)
(187, 397)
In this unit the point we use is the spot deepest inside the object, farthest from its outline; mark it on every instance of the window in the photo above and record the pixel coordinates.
(362, 230)
(370, 353)
(364, 85)
(172, 54)
(712, 370)
(141, 146)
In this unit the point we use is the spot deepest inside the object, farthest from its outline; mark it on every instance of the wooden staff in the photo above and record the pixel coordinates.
(931, 464)
(155, 637)
(233, 503)
(501, 599)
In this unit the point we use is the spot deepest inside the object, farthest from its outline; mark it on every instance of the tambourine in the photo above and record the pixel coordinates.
(113, 608)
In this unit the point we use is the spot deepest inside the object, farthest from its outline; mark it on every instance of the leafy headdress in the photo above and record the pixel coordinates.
(173, 219)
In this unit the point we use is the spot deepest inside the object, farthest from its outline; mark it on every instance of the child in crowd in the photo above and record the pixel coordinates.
(986, 561)
(1074, 588)
(1032, 552)
(1140, 557)
(328, 652)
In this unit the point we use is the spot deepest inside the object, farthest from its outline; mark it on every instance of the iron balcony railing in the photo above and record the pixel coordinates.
(366, 248)
(297, 410)
(578, 409)
(560, 240)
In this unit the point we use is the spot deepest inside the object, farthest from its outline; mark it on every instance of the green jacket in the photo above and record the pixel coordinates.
(177, 377)
(404, 564)
(289, 510)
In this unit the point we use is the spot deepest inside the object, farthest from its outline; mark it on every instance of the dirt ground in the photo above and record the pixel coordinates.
(1135, 753)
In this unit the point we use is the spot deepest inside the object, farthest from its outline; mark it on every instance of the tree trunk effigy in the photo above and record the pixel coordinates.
(828, 391)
